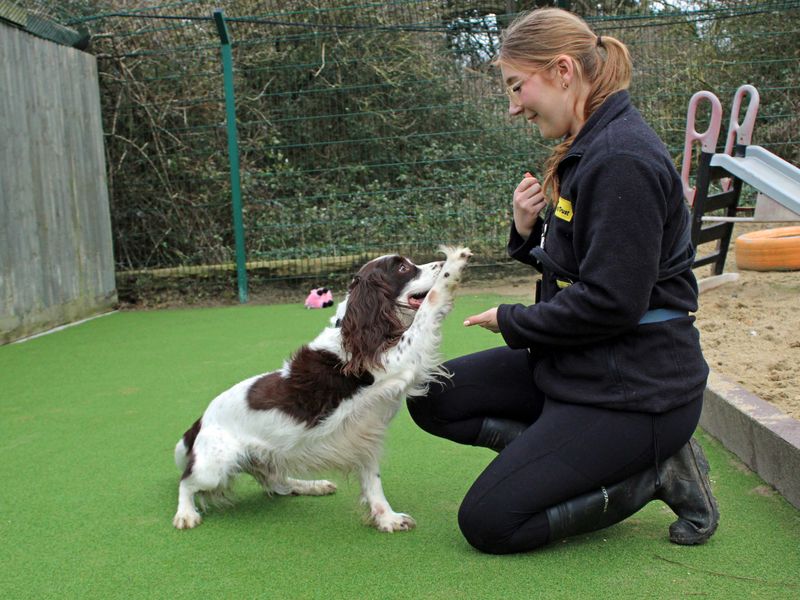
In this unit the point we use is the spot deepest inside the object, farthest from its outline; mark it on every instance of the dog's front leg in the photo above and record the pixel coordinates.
(381, 515)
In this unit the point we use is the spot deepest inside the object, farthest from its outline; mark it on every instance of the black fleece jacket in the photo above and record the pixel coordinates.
(619, 217)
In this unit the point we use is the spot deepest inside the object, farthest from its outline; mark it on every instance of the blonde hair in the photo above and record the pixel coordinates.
(536, 39)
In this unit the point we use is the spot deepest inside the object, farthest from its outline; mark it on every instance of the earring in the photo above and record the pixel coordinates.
(564, 84)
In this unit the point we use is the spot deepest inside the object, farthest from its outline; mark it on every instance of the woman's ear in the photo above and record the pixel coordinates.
(564, 69)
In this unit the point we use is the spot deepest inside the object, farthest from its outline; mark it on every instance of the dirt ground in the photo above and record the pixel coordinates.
(750, 331)
(749, 328)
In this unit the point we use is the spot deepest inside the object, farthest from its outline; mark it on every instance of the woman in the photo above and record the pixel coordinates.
(593, 400)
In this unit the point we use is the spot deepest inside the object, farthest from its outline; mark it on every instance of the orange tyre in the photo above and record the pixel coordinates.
(769, 250)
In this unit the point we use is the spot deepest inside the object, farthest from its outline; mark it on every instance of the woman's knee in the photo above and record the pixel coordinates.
(420, 410)
(477, 531)
(426, 411)
(485, 529)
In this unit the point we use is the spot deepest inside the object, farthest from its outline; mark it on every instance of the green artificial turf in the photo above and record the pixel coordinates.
(89, 417)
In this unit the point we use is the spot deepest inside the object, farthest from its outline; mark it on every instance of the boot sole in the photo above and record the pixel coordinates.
(684, 532)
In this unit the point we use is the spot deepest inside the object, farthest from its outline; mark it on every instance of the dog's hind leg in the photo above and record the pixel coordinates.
(187, 515)
(212, 462)
(287, 486)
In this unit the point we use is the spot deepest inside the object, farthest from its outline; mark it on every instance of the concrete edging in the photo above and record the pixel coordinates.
(766, 439)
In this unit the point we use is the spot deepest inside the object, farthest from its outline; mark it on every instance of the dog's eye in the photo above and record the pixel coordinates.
(403, 268)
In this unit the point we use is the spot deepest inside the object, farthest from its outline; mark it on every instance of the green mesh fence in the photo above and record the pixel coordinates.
(371, 127)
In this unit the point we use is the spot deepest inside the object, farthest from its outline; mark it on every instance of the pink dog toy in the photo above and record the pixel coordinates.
(319, 298)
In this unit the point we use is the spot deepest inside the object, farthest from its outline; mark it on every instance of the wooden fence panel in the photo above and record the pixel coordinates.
(56, 257)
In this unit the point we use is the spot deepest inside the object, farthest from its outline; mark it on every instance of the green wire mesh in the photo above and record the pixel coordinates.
(371, 127)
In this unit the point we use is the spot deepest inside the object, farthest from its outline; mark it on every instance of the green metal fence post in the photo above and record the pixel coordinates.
(233, 153)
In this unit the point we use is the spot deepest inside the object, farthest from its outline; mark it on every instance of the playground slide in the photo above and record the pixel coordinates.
(766, 172)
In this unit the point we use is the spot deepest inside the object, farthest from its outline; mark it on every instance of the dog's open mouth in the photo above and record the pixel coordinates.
(415, 300)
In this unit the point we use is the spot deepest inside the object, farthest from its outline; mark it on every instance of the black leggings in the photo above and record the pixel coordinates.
(568, 449)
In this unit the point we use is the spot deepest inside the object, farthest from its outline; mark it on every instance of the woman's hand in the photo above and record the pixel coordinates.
(487, 320)
(529, 201)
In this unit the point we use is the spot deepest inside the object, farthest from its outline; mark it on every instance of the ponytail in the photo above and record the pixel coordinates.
(536, 38)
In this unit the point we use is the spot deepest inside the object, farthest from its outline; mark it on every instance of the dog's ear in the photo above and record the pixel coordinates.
(370, 325)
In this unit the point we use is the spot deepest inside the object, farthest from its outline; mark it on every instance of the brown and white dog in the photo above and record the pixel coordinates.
(329, 406)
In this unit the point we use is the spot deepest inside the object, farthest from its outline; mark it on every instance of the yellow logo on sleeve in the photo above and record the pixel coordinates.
(564, 209)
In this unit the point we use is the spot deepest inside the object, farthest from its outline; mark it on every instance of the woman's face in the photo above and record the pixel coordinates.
(542, 98)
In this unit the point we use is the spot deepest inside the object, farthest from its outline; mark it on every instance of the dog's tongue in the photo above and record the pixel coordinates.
(416, 301)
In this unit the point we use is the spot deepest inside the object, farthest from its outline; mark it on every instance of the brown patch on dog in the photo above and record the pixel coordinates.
(314, 388)
(191, 435)
(188, 441)
(189, 466)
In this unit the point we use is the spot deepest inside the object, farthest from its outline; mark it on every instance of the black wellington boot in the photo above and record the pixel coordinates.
(601, 508)
(496, 434)
(681, 482)
(686, 490)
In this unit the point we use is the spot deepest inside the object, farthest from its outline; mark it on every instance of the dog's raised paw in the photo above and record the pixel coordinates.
(454, 266)
(459, 256)
(455, 252)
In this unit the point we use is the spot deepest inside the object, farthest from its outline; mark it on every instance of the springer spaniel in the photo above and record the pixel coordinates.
(329, 406)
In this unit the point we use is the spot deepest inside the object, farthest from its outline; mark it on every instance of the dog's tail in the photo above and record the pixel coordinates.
(185, 445)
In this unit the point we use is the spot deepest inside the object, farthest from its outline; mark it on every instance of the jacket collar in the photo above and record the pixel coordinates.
(607, 112)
